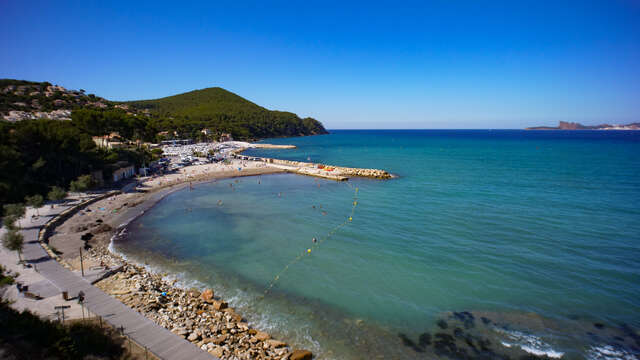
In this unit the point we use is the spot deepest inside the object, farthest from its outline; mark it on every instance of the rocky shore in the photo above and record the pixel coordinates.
(201, 317)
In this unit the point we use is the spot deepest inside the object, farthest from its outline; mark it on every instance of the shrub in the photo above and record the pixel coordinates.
(13, 240)
(27, 336)
(82, 183)
(56, 194)
(35, 201)
(16, 210)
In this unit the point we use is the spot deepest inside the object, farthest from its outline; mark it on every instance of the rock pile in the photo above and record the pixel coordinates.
(370, 173)
(200, 317)
(334, 170)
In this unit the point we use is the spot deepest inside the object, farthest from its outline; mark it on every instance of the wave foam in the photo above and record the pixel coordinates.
(529, 343)
(608, 352)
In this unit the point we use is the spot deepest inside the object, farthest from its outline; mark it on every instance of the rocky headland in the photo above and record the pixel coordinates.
(563, 125)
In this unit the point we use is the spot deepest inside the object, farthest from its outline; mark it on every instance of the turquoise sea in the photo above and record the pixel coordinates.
(488, 244)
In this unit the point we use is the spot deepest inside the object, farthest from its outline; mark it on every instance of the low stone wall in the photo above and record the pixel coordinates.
(47, 229)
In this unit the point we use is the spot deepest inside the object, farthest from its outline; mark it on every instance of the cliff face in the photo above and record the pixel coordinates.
(570, 126)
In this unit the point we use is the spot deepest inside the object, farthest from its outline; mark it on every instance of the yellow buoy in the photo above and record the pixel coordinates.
(350, 218)
(309, 250)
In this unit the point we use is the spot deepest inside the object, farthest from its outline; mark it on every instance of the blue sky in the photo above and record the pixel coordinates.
(428, 64)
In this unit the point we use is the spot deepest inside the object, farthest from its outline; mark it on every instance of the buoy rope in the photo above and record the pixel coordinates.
(317, 244)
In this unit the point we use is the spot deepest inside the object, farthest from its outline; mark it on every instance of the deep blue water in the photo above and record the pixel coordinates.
(537, 233)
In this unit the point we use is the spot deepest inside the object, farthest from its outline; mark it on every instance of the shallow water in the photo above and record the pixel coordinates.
(537, 232)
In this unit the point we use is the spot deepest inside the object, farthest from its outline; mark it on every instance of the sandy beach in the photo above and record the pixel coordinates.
(101, 218)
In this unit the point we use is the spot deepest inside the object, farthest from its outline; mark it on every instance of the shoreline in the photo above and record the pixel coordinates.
(181, 310)
(97, 224)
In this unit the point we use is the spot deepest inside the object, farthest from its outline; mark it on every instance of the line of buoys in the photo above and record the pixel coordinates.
(316, 242)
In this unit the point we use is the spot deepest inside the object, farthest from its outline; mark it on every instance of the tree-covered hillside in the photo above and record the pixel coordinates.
(222, 111)
(46, 131)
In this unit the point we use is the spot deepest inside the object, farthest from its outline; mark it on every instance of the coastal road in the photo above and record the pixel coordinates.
(160, 341)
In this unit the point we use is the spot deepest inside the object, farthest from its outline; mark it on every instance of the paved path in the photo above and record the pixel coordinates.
(145, 332)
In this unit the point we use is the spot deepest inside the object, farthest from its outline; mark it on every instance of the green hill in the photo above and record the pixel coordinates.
(223, 111)
(46, 130)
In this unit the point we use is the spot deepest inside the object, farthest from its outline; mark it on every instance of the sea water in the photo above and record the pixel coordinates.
(488, 243)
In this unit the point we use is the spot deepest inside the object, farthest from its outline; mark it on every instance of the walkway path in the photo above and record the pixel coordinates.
(145, 332)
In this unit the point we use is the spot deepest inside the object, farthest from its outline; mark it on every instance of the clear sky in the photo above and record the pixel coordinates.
(425, 64)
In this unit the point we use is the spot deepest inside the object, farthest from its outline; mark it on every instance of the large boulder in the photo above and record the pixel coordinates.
(193, 336)
(301, 355)
(262, 336)
(275, 343)
(207, 295)
(181, 331)
(217, 352)
(219, 304)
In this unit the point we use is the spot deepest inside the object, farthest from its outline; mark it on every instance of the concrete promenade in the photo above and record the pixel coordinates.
(159, 341)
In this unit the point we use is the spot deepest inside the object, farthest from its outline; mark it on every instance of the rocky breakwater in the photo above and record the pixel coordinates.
(313, 169)
(200, 317)
(272, 146)
(370, 173)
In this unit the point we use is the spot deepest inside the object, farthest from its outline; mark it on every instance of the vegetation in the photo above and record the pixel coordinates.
(56, 194)
(222, 111)
(82, 183)
(12, 212)
(9, 222)
(101, 122)
(36, 201)
(24, 335)
(36, 155)
(16, 210)
(14, 241)
(5, 279)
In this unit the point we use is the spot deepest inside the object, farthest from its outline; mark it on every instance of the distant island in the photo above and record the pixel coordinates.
(577, 126)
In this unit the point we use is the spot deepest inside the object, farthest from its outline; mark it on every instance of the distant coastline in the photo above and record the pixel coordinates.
(562, 125)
